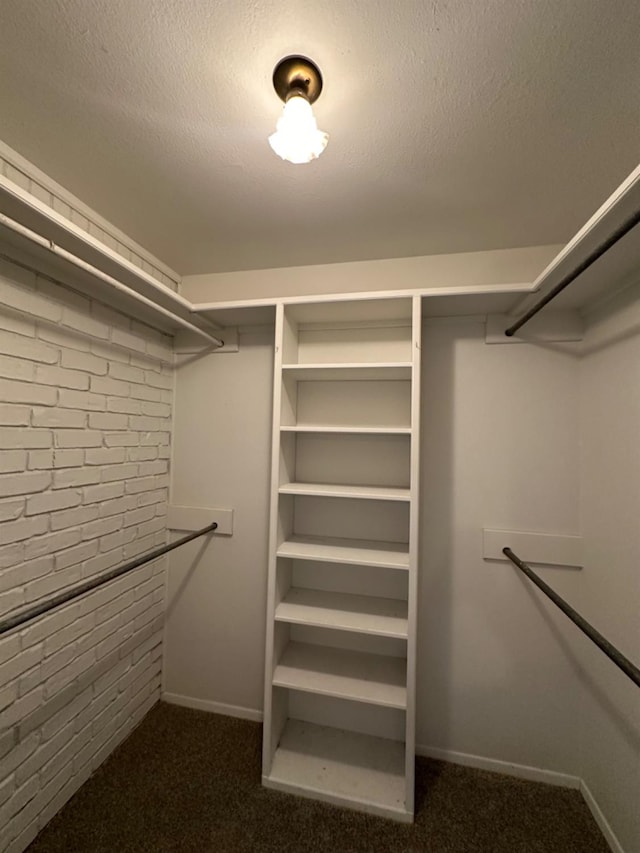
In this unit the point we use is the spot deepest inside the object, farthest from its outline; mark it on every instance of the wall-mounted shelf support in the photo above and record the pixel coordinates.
(28, 225)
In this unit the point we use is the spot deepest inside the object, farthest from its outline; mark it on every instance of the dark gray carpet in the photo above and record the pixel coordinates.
(189, 781)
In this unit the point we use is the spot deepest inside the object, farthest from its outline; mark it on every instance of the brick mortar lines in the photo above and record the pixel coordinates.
(85, 425)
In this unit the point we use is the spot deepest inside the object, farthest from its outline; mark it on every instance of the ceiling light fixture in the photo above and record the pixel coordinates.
(298, 82)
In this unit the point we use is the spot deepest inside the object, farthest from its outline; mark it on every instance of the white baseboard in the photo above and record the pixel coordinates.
(213, 707)
(600, 819)
(533, 774)
(521, 771)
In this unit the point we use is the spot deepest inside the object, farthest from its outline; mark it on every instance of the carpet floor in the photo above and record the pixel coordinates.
(189, 781)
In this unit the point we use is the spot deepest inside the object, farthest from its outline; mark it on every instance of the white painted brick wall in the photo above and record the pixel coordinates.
(85, 423)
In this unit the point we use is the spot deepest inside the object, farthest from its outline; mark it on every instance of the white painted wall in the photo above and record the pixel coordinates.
(609, 594)
(215, 629)
(85, 419)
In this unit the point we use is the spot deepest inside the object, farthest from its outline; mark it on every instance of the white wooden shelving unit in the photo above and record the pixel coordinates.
(341, 612)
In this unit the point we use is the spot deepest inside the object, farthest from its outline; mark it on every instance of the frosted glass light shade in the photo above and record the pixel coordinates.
(297, 138)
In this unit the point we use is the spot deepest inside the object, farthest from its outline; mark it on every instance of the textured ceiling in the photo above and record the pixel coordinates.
(455, 126)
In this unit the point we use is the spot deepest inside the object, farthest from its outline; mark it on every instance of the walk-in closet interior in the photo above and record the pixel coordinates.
(319, 426)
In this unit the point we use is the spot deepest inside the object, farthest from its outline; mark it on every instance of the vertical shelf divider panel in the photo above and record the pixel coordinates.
(340, 652)
(274, 706)
(412, 613)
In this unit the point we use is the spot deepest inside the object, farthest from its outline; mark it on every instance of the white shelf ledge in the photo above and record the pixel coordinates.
(385, 617)
(343, 674)
(353, 371)
(356, 552)
(327, 490)
(358, 430)
(30, 224)
(340, 767)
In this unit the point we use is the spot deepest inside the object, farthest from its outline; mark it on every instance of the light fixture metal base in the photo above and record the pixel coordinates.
(297, 75)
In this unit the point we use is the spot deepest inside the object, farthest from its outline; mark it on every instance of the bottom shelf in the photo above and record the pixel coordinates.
(344, 768)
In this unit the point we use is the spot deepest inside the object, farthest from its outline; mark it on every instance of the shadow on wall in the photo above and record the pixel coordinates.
(576, 657)
(434, 659)
(192, 563)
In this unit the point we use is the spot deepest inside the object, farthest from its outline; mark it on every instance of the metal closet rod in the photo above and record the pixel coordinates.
(596, 637)
(108, 279)
(591, 258)
(42, 607)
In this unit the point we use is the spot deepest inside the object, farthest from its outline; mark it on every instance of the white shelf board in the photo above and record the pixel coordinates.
(343, 674)
(340, 767)
(328, 490)
(385, 617)
(356, 430)
(194, 518)
(357, 552)
(359, 371)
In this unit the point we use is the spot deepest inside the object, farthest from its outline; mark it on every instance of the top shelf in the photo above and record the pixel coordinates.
(451, 300)
(351, 308)
(350, 371)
